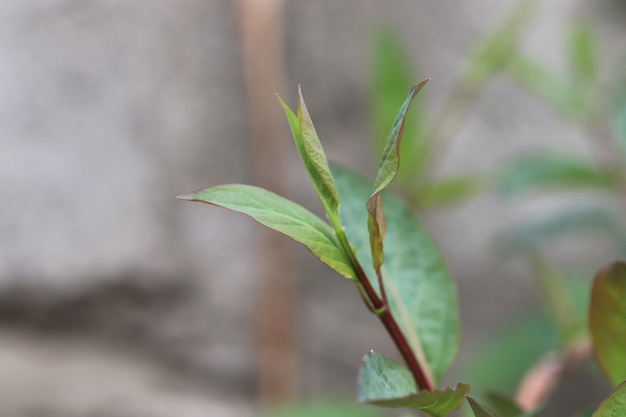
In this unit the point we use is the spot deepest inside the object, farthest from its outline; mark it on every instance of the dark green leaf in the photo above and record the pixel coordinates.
(504, 405)
(479, 409)
(387, 171)
(615, 404)
(391, 75)
(282, 215)
(314, 159)
(421, 294)
(583, 56)
(541, 171)
(387, 383)
(607, 321)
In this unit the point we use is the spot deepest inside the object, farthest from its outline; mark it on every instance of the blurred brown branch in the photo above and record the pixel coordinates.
(261, 37)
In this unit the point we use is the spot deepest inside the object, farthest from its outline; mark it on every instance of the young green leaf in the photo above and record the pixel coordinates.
(314, 159)
(541, 171)
(391, 74)
(282, 215)
(615, 404)
(422, 297)
(385, 382)
(479, 409)
(387, 171)
(607, 320)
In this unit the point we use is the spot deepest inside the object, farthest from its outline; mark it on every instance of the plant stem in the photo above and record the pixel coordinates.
(421, 378)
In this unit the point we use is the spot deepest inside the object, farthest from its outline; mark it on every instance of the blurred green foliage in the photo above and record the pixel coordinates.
(595, 105)
(325, 408)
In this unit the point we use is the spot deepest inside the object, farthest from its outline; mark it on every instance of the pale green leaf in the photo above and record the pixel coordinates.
(282, 215)
(314, 158)
(421, 294)
(607, 321)
(615, 404)
(387, 383)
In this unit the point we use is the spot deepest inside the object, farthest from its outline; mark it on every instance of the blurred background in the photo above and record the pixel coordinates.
(116, 299)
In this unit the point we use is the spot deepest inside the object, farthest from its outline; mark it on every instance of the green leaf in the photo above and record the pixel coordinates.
(504, 405)
(282, 215)
(553, 88)
(385, 382)
(564, 223)
(615, 404)
(479, 409)
(448, 191)
(547, 170)
(607, 321)
(421, 294)
(507, 407)
(497, 49)
(314, 159)
(387, 171)
(391, 74)
(583, 56)
(390, 161)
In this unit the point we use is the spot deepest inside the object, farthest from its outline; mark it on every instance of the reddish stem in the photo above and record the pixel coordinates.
(422, 380)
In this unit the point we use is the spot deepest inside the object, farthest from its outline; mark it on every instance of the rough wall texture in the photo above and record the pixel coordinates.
(112, 289)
